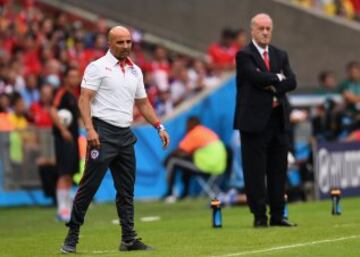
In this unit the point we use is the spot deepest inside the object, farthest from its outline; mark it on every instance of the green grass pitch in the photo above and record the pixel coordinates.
(184, 229)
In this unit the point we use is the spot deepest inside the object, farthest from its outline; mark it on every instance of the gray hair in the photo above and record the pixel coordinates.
(259, 15)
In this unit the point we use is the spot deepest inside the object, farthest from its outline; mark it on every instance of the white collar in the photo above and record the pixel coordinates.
(260, 49)
(114, 61)
(111, 58)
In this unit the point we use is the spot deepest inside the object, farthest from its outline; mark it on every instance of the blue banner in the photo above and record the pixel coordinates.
(337, 165)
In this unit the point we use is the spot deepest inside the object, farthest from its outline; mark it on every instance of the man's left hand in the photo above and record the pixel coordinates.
(165, 138)
(271, 88)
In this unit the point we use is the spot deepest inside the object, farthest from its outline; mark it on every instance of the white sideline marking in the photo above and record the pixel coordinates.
(150, 218)
(115, 222)
(346, 225)
(99, 251)
(284, 247)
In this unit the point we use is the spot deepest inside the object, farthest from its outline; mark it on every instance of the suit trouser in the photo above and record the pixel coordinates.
(265, 164)
(117, 153)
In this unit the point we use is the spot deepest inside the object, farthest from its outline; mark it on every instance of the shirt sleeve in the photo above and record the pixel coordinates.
(189, 143)
(92, 77)
(58, 99)
(140, 89)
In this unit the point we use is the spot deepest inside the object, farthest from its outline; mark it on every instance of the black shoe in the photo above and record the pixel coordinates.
(134, 245)
(282, 223)
(71, 240)
(260, 223)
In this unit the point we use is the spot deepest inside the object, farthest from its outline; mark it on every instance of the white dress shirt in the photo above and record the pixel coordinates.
(261, 51)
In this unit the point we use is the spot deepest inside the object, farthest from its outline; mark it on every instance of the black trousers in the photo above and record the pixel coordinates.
(117, 153)
(264, 158)
(186, 166)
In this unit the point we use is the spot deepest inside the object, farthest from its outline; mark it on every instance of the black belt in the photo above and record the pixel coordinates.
(106, 124)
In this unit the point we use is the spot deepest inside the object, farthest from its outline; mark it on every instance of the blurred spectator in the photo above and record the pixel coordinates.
(151, 89)
(5, 122)
(326, 116)
(30, 55)
(39, 112)
(240, 39)
(159, 97)
(345, 8)
(160, 79)
(164, 105)
(350, 87)
(30, 92)
(356, 4)
(328, 6)
(101, 26)
(305, 3)
(160, 61)
(51, 73)
(222, 54)
(17, 117)
(177, 65)
(98, 49)
(182, 87)
(17, 72)
(202, 76)
(327, 83)
(7, 81)
(19, 135)
(5, 103)
(200, 152)
(160, 68)
(76, 52)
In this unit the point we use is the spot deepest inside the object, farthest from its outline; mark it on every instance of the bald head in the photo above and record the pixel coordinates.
(119, 40)
(118, 31)
(261, 29)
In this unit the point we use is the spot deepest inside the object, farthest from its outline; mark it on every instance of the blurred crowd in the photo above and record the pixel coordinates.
(349, 9)
(37, 45)
(338, 118)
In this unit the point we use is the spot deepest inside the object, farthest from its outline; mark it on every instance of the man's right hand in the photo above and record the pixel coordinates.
(93, 138)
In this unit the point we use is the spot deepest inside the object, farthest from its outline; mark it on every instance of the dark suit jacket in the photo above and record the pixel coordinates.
(253, 101)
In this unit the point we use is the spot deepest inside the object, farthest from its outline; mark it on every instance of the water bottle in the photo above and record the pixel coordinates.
(335, 194)
(286, 210)
(216, 213)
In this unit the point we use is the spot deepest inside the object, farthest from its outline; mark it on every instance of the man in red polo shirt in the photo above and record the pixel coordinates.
(222, 54)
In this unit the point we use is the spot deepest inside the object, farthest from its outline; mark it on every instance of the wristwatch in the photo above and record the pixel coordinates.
(159, 127)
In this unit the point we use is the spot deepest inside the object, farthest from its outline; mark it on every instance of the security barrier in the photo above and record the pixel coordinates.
(21, 153)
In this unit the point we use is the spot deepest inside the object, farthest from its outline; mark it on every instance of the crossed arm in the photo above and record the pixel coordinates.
(276, 83)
